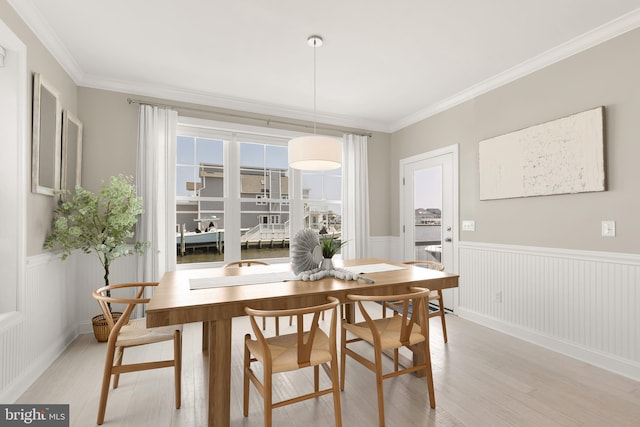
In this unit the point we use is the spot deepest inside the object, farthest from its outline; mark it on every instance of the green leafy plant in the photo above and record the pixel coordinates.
(101, 224)
(330, 245)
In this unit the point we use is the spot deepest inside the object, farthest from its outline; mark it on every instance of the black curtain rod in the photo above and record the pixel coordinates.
(240, 116)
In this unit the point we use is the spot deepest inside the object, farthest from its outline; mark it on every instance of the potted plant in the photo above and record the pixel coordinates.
(330, 246)
(99, 224)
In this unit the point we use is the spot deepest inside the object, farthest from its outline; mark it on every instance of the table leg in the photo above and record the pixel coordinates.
(205, 336)
(219, 372)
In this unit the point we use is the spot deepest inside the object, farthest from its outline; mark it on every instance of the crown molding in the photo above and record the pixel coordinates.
(592, 38)
(36, 22)
(230, 103)
(43, 31)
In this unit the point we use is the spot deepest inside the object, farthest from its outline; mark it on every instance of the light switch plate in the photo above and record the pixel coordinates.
(608, 228)
(468, 225)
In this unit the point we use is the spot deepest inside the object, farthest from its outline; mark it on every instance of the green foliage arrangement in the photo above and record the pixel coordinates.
(330, 245)
(101, 224)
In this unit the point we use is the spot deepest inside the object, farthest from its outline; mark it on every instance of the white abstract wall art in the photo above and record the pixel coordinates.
(557, 157)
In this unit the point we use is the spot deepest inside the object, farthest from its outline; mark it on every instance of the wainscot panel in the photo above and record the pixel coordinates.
(580, 303)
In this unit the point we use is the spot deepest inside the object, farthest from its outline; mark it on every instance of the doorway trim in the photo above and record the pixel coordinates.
(453, 150)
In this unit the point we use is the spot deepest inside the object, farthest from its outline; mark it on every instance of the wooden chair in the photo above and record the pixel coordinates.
(305, 348)
(248, 263)
(390, 334)
(127, 332)
(433, 296)
(235, 264)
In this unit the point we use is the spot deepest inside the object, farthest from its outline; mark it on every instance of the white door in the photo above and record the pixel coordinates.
(429, 210)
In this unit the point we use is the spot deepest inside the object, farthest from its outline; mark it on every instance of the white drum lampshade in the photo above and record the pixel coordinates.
(315, 152)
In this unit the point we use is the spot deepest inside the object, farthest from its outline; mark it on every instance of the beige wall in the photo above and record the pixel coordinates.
(39, 60)
(110, 134)
(609, 75)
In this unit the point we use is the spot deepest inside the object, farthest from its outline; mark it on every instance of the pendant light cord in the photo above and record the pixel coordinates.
(315, 43)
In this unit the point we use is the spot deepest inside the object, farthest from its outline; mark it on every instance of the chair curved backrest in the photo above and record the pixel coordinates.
(245, 263)
(432, 265)
(104, 299)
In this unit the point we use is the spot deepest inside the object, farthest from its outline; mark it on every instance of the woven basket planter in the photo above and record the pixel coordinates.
(101, 327)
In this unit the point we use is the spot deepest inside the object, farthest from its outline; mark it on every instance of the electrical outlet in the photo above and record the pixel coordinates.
(608, 228)
(468, 225)
(499, 296)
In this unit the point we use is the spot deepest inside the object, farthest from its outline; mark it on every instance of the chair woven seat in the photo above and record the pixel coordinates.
(136, 333)
(389, 329)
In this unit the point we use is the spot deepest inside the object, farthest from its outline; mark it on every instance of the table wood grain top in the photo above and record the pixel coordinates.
(174, 302)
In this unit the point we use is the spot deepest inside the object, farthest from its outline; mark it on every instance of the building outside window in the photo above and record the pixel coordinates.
(240, 183)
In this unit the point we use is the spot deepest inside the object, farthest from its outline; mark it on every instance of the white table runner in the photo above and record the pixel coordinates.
(373, 268)
(281, 276)
(245, 279)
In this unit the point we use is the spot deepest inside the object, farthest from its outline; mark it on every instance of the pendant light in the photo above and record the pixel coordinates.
(315, 152)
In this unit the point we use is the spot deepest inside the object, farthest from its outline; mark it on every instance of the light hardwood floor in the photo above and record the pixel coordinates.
(482, 378)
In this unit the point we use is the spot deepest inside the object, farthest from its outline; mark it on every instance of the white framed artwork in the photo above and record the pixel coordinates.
(557, 157)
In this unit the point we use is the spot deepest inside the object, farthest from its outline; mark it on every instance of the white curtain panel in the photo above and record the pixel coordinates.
(155, 181)
(355, 196)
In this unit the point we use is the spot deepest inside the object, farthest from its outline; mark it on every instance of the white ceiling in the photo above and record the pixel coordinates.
(383, 66)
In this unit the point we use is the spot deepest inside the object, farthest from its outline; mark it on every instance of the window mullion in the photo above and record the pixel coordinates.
(232, 199)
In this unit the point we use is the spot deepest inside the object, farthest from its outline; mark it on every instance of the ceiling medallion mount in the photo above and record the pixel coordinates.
(314, 41)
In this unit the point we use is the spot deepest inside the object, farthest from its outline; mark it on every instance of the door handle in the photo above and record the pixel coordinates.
(447, 239)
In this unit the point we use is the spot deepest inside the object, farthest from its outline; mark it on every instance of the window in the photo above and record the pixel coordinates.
(234, 198)
(322, 195)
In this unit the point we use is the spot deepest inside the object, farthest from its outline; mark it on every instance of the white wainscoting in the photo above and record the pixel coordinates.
(55, 305)
(583, 304)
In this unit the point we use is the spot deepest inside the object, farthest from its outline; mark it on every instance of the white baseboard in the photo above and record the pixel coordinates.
(620, 366)
(35, 369)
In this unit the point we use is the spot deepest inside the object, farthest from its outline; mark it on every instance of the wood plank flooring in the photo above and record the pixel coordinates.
(482, 378)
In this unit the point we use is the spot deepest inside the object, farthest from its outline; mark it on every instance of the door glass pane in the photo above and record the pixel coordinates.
(427, 202)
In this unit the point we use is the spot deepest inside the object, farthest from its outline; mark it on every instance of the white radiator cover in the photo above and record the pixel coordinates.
(583, 304)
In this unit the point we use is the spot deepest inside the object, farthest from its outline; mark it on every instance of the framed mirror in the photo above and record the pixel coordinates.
(46, 154)
(71, 151)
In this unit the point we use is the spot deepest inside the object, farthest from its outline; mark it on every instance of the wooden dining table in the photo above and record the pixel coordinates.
(175, 302)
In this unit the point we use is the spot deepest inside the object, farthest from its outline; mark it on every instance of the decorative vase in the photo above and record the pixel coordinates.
(326, 264)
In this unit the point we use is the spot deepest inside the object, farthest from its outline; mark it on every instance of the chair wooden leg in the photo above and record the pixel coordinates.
(277, 326)
(268, 397)
(177, 368)
(290, 320)
(444, 324)
(343, 355)
(336, 391)
(264, 323)
(245, 389)
(430, 388)
(378, 363)
(118, 362)
(106, 379)
(316, 378)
